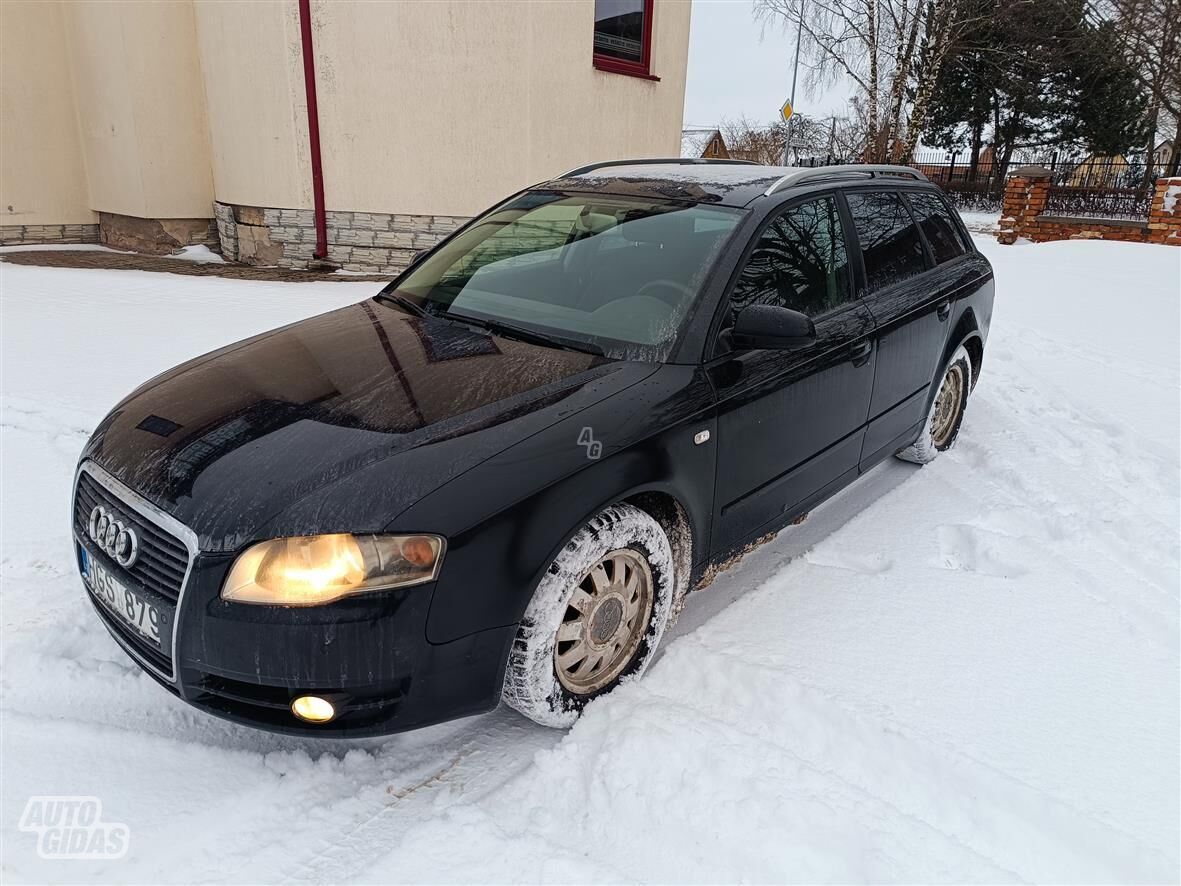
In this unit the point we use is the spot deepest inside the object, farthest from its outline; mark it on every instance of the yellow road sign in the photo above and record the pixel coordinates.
(786, 111)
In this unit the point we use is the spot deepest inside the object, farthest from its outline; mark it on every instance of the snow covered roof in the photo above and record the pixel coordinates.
(695, 141)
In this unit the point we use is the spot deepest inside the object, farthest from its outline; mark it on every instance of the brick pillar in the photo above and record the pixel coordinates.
(1025, 198)
(1164, 217)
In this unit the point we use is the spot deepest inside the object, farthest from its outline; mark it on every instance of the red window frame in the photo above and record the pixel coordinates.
(642, 68)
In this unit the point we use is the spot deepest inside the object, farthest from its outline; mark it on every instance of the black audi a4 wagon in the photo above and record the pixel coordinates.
(499, 477)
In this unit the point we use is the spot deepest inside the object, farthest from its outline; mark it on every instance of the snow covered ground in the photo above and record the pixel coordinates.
(965, 672)
(982, 222)
(200, 254)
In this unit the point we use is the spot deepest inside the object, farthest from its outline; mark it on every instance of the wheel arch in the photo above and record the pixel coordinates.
(974, 345)
(668, 510)
(966, 335)
(664, 504)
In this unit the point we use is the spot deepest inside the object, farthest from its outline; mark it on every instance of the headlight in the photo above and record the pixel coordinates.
(318, 569)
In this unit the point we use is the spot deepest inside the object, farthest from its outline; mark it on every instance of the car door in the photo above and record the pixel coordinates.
(790, 423)
(910, 311)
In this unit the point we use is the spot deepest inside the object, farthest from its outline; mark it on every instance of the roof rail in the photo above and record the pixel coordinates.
(852, 170)
(648, 161)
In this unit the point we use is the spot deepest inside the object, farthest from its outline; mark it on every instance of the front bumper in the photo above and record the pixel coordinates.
(369, 654)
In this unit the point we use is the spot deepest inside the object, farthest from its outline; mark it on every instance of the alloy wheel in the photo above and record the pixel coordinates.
(604, 622)
(947, 406)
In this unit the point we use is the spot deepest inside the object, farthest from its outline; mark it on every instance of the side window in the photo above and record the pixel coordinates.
(799, 262)
(938, 225)
(889, 240)
(623, 37)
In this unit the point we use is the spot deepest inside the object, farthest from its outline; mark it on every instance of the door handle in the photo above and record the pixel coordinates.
(943, 311)
(859, 353)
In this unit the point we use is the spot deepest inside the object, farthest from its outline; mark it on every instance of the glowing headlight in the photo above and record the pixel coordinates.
(318, 569)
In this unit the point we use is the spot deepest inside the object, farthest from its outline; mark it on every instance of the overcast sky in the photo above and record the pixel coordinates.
(735, 69)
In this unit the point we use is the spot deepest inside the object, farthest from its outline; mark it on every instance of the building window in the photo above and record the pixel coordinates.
(623, 37)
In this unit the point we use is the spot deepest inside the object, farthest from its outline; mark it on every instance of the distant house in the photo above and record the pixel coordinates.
(1099, 171)
(698, 143)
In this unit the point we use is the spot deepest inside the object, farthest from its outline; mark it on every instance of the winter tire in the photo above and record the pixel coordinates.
(947, 412)
(596, 618)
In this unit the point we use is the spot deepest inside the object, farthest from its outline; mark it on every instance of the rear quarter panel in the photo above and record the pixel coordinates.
(971, 315)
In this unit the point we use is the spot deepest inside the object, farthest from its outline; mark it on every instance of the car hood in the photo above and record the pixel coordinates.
(232, 441)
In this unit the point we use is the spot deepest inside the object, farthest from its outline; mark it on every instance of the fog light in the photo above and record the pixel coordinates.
(313, 709)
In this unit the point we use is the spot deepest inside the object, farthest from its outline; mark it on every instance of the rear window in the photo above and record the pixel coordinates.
(938, 225)
(890, 242)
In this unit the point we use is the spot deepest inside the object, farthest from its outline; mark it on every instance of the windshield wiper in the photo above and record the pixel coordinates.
(402, 301)
(508, 330)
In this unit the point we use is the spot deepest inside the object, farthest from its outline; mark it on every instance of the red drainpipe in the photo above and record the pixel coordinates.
(309, 84)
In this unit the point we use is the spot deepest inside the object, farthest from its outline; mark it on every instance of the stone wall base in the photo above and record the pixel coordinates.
(155, 236)
(1024, 215)
(32, 235)
(376, 242)
(1045, 228)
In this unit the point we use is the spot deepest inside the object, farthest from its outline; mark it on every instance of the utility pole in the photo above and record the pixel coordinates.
(795, 71)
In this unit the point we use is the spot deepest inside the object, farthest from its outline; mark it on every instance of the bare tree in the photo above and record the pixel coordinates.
(759, 143)
(891, 50)
(811, 137)
(849, 136)
(1148, 32)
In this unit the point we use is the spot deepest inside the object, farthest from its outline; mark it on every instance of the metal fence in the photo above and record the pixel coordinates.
(1100, 202)
(1081, 184)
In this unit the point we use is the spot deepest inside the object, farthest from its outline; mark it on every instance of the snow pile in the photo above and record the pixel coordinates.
(1172, 195)
(200, 254)
(963, 672)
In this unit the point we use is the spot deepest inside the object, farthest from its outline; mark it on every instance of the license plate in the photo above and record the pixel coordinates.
(129, 606)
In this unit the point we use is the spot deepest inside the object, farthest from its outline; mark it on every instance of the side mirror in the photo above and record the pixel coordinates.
(771, 327)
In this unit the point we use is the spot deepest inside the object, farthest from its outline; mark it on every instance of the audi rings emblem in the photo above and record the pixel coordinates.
(114, 536)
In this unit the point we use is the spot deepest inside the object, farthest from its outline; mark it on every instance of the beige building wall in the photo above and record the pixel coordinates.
(179, 110)
(427, 108)
(252, 69)
(42, 176)
(141, 107)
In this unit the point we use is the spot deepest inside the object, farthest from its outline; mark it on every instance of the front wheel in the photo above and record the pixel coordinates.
(596, 618)
(947, 412)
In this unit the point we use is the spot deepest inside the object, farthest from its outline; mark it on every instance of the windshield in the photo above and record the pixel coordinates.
(610, 275)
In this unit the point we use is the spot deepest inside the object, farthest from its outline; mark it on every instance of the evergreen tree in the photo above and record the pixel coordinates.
(1105, 103)
(1037, 75)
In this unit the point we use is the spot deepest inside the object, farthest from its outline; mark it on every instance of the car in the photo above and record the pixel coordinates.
(500, 476)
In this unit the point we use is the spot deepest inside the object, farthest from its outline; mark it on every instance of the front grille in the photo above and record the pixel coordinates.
(163, 558)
